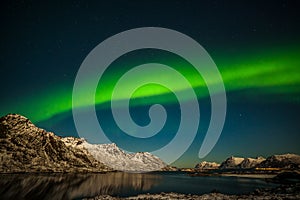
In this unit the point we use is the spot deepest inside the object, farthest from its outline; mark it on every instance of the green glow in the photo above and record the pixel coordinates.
(272, 72)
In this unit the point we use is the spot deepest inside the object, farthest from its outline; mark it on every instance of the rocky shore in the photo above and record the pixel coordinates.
(282, 192)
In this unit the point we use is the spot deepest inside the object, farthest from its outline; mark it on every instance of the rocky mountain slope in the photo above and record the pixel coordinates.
(27, 148)
(114, 157)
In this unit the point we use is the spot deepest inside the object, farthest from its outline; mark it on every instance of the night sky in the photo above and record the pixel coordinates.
(255, 45)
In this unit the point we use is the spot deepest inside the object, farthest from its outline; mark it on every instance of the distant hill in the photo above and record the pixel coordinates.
(284, 161)
(207, 165)
(241, 163)
(231, 163)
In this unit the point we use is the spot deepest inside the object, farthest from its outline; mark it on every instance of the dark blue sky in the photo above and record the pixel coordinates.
(44, 44)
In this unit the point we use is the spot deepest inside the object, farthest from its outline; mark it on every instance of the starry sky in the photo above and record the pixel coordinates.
(255, 45)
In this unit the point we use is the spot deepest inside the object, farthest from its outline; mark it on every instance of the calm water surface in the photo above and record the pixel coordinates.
(77, 186)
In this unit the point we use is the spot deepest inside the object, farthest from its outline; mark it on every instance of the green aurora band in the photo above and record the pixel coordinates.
(269, 72)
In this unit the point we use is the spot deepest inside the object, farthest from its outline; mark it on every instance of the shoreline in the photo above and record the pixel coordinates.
(257, 176)
(140, 182)
(291, 192)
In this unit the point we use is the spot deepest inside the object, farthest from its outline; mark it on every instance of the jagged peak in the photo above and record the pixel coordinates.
(113, 156)
(287, 155)
(14, 116)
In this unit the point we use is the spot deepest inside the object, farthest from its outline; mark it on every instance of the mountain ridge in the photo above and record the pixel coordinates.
(112, 156)
(27, 148)
(282, 161)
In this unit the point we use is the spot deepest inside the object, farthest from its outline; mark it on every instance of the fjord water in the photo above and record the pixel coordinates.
(77, 186)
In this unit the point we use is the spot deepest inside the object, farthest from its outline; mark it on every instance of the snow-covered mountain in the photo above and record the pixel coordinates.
(27, 148)
(241, 163)
(287, 161)
(112, 156)
(248, 163)
(284, 161)
(231, 163)
(207, 165)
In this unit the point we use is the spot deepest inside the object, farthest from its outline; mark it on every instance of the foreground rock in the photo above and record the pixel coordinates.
(27, 148)
(282, 192)
(117, 159)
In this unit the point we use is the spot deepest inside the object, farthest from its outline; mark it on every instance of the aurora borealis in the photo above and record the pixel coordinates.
(271, 74)
(256, 47)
